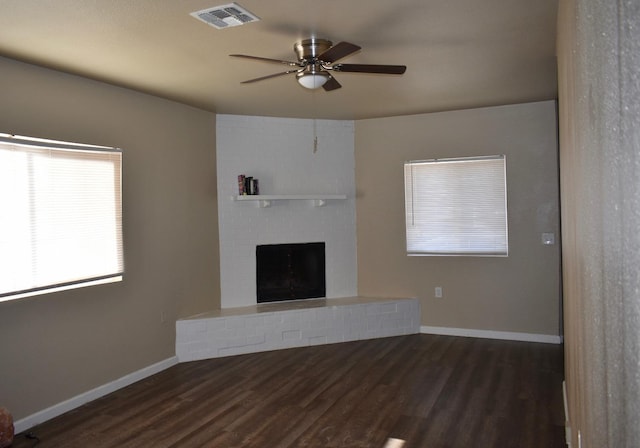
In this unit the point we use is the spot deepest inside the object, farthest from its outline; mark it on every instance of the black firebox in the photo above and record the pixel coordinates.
(290, 271)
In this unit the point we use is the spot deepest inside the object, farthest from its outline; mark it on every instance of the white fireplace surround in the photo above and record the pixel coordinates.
(281, 153)
(309, 194)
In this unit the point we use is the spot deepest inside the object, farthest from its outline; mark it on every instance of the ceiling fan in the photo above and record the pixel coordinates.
(316, 61)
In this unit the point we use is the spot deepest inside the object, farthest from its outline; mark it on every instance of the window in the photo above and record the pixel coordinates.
(456, 206)
(61, 215)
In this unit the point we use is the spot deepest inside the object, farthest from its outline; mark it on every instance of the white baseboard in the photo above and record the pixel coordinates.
(567, 426)
(489, 334)
(77, 401)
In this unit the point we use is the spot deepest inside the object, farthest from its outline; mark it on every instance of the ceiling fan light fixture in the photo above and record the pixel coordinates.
(312, 80)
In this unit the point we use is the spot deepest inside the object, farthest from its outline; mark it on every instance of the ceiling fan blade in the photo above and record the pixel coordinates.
(275, 75)
(331, 84)
(371, 68)
(338, 51)
(258, 58)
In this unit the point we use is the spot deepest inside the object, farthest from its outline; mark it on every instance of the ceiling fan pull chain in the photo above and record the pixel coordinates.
(315, 131)
(315, 122)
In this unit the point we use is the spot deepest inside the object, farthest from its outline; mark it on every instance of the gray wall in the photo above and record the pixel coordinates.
(56, 346)
(519, 293)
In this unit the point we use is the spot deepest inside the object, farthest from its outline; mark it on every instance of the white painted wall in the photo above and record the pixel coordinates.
(280, 153)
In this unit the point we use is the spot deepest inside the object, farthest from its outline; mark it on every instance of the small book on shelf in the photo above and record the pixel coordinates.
(241, 185)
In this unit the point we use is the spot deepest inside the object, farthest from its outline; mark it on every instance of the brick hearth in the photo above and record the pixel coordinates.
(300, 323)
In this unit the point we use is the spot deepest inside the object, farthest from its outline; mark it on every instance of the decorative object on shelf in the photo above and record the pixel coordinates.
(254, 187)
(6, 428)
(248, 186)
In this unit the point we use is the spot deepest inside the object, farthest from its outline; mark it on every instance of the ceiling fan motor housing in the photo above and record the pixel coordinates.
(309, 49)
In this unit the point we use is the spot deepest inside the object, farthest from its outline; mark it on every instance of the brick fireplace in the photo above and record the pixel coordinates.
(280, 153)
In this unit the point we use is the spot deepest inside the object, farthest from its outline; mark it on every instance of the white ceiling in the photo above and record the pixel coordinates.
(458, 53)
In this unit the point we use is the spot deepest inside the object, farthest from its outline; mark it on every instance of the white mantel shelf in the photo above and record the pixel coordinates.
(264, 200)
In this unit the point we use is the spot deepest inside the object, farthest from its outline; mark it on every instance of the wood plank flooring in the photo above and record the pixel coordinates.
(431, 391)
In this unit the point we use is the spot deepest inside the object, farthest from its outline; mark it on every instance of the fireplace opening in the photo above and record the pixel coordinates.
(290, 271)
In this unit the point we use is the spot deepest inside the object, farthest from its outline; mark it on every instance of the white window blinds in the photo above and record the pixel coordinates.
(456, 206)
(61, 223)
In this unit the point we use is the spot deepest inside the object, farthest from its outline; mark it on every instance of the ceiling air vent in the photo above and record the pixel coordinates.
(225, 16)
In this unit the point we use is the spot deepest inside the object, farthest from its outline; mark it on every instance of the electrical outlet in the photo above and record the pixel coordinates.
(163, 317)
(438, 292)
(548, 239)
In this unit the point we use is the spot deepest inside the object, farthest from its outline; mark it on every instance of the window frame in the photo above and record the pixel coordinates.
(50, 156)
(485, 228)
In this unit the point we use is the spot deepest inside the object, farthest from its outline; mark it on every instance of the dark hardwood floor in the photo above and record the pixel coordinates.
(431, 391)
